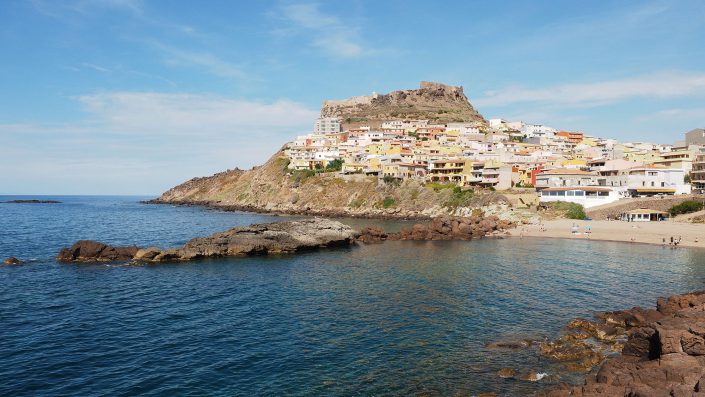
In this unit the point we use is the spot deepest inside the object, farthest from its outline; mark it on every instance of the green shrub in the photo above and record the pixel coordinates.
(459, 198)
(686, 207)
(388, 202)
(571, 210)
(390, 180)
(335, 165)
(356, 203)
(299, 176)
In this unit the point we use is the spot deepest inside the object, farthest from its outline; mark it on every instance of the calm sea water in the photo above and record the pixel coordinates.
(400, 318)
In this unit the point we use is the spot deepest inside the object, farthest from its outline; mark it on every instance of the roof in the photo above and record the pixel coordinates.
(583, 188)
(565, 171)
(646, 211)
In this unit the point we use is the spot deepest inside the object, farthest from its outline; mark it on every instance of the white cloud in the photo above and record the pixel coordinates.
(665, 85)
(189, 113)
(331, 35)
(150, 140)
(206, 60)
(680, 113)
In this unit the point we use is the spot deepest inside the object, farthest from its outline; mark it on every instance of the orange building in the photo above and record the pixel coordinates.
(573, 137)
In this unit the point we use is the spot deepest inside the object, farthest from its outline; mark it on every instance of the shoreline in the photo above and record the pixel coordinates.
(393, 214)
(663, 354)
(652, 233)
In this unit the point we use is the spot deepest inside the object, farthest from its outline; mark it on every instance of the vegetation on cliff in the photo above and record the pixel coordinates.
(272, 187)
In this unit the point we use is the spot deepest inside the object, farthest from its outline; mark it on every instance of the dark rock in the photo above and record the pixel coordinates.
(452, 228)
(663, 356)
(506, 373)
(12, 261)
(32, 202)
(263, 239)
(510, 344)
(94, 251)
(372, 235)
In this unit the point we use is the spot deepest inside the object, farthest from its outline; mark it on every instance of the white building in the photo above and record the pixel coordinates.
(538, 131)
(587, 196)
(326, 125)
(652, 180)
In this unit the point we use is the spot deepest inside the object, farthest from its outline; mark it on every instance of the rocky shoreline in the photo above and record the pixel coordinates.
(391, 214)
(662, 351)
(284, 238)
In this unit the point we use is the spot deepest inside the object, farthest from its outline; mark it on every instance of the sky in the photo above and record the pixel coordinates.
(136, 96)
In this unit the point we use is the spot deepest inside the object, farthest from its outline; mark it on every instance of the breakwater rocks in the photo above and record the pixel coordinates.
(94, 251)
(663, 351)
(442, 228)
(263, 239)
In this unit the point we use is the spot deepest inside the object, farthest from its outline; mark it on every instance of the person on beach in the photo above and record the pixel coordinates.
(671, 241)
(664, 241)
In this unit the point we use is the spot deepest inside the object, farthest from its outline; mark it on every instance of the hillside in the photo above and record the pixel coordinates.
(273, 188)
(436, 102)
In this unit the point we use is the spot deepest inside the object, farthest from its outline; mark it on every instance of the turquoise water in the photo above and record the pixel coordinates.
(400, 318)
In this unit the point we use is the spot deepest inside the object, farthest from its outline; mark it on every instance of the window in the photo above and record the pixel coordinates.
(663, 184)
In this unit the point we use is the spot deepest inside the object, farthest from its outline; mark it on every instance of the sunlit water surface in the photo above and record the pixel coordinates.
(400, 318)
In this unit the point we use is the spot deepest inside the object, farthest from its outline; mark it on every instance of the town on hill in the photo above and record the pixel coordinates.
(433, 135)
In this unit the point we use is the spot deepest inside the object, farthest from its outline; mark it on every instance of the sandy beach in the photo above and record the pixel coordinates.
(691, 235)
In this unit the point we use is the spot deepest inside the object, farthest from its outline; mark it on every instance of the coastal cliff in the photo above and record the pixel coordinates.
(273, 188)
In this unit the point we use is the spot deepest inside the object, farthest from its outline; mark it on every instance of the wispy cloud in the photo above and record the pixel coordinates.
(210, 62)
(127, 135)
(665, 85)
(329, 33)
(687, 113)
(95, 67)
(63, 9)
(191, 114)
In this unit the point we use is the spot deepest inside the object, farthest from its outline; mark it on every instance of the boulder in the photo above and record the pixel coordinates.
(664, 354)
(12, 261)
(94, 251)
(506, 373)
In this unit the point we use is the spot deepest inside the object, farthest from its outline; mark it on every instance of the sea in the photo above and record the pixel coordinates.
(394, 319)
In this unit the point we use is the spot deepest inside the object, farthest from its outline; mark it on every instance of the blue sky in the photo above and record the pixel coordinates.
(135, 96)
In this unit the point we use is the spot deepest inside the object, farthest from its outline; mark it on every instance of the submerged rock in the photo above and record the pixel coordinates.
(12, 261)
(94, 251)
(506, 373)
(533, 376)
(262, 239)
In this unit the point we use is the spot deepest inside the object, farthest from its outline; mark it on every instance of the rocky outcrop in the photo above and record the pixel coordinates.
(94, 251)
(439, 103)
(664, 352)
(263, 239)
(12, 261)
(31, 202)
(442, 228)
